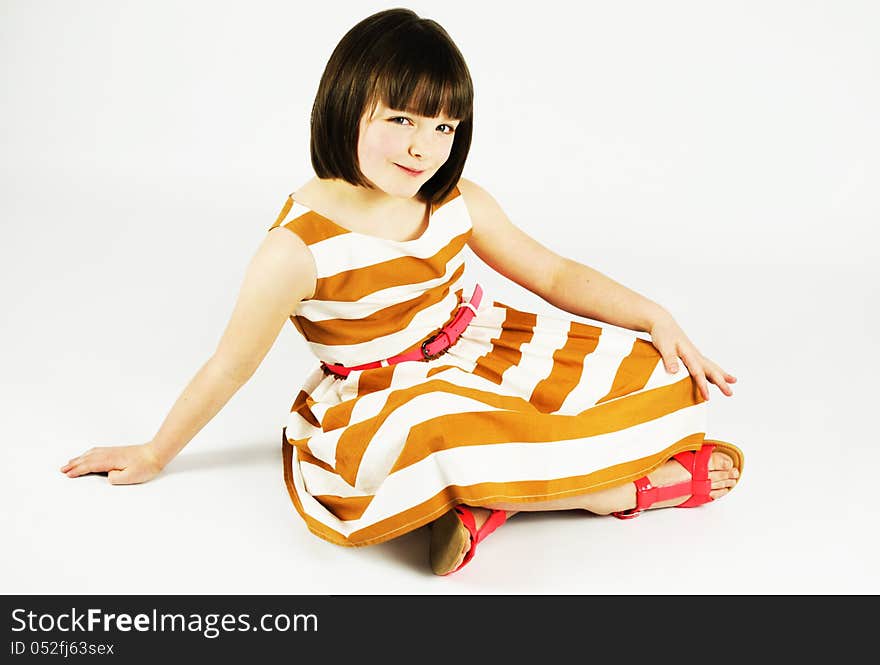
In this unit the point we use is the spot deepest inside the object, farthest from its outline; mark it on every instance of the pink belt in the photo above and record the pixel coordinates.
(432, 347)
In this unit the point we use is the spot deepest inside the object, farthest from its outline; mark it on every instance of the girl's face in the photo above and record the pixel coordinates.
(392, 141)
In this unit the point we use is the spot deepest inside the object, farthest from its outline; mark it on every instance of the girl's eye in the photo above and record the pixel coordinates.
(451, 128)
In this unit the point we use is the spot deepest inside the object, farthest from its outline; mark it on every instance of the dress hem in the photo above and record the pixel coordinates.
(325, 533)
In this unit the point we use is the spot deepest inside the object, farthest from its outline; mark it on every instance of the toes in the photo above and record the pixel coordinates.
(727, 482)
(718, 493)
(723, 475)
(720, 462)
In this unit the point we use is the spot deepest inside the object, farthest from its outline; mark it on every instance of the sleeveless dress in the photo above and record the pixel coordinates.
(524, 407)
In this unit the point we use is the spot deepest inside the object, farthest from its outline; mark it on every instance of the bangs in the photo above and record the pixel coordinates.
(424, 77)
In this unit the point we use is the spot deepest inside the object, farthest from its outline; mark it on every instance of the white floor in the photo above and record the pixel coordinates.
(218, 520)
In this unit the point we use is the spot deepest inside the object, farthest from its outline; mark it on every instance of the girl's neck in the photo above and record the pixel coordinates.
(367, 202)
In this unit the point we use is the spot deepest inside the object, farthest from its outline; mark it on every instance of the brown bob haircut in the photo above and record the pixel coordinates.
(411, 64)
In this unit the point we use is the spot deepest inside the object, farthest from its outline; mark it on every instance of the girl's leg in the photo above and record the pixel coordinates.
(622, 497)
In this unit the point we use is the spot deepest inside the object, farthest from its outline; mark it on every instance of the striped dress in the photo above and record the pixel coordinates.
(524, 407)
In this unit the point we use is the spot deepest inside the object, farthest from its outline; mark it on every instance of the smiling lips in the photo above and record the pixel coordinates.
(409, 171)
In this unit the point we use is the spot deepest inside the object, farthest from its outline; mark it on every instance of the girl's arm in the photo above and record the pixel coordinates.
(585, 291)
(279, 276)
(579, 289)
(563, 283)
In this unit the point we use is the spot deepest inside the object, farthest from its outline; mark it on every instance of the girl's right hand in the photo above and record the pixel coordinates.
(126, 465)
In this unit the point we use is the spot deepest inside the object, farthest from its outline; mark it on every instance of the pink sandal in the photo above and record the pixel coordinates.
(450, 533)
(699, 485)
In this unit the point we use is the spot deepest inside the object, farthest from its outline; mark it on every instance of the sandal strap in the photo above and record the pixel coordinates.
(643, 501)
(699, 485)
(698, 465)
(495, 519)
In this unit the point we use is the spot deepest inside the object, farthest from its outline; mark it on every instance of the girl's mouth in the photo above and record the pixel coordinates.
(409, 171)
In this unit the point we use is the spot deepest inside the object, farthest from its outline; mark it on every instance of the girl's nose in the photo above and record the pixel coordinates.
(419, 145)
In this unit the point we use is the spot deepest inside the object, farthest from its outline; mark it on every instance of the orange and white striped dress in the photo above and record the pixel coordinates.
(524, 407)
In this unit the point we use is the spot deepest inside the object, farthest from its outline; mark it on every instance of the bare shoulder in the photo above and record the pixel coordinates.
(503, 246)
(472, 193)
(482, 207)
(466, 186)
(284, 256)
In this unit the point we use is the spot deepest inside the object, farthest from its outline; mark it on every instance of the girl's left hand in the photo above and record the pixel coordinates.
(670, 340)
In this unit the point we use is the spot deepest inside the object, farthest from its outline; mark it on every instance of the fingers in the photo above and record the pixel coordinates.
(92, 461)
(670, 360)
(71, 466)
(695, 367)
(719, 377)
(118, 477)
(702, 370)
(83, 467)
(75, 461)
(705, 371)
(668, 356)
(719, 380)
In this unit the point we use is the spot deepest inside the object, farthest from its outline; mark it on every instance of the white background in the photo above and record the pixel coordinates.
(719, 158)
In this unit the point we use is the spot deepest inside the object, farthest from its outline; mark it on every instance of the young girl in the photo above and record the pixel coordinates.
(432, 404)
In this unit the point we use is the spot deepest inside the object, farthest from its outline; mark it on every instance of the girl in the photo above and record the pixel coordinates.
(433, 404)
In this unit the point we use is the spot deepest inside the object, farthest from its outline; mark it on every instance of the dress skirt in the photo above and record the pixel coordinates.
(524, 407)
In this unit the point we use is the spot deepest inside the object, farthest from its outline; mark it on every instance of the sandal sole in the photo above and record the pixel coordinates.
(448, 539)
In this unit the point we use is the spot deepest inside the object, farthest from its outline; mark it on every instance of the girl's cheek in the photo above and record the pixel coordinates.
(387, 143)
(374, 145)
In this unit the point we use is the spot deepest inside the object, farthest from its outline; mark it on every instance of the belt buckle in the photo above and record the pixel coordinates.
(429, 356)
(329, 372)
